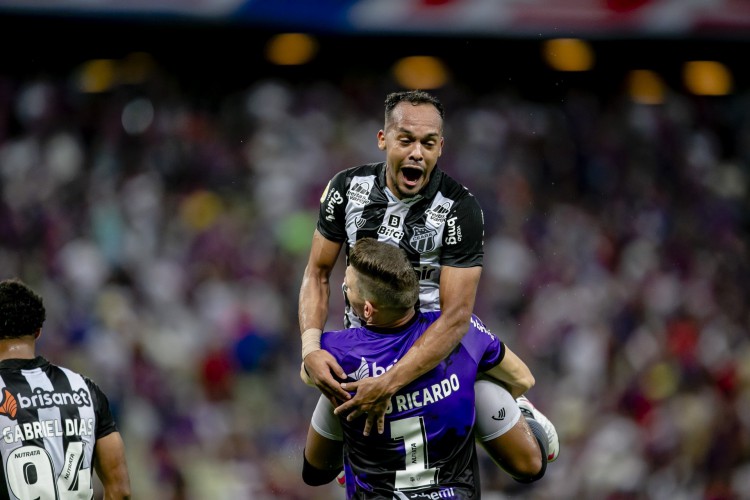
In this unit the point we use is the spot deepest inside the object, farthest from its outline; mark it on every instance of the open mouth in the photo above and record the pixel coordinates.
(411, 174)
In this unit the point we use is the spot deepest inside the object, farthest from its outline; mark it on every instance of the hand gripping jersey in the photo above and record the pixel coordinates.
(428, 447)
(50, 418)
(442, 226)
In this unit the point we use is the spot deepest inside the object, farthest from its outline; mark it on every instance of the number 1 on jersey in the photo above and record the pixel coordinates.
(416, 475)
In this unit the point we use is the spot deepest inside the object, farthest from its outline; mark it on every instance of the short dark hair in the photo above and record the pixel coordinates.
(21, 310)
(386, 277)
(414, 97)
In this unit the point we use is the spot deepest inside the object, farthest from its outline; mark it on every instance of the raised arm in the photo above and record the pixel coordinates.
(458, 287)
(111, 467)
(314, 293)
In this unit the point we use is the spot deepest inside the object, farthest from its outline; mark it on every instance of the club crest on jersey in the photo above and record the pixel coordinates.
(435, 216)
(423, 239)
(359, 193)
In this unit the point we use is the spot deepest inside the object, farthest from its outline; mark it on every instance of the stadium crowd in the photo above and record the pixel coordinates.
(168, 237)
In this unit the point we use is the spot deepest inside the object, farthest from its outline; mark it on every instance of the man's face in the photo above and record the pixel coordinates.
(412, 141)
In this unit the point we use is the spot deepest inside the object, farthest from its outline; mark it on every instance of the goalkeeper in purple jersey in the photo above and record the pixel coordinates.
(427, 449)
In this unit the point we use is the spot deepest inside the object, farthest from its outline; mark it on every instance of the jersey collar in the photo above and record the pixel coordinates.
(23, 364)
(396, 330)
(428, 192)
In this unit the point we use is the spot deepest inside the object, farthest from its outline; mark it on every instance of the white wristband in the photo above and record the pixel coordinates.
(310, 341)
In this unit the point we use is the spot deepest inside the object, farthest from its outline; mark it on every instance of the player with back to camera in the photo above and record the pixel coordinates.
(56, 424)
(409, 202)
(428, 447)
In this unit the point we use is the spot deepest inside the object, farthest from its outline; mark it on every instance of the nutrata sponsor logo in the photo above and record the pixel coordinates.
(359, 193)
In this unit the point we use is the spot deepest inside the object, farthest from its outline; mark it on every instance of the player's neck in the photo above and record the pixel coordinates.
(383, 321)
(17, 349)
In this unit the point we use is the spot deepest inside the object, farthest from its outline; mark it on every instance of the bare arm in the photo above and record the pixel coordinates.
(514, 373)
(313, 311)
(111, 467)
(458, 287)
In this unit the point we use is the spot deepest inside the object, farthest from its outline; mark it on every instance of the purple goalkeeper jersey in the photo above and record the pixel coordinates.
(428, 445)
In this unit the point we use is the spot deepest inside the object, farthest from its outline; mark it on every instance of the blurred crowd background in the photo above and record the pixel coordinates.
(164, 212)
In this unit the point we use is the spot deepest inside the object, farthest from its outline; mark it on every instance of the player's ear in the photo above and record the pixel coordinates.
(369, 310)
(381, 140)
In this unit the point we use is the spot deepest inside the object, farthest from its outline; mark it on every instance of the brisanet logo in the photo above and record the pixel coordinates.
(366, 369)
(41, 399)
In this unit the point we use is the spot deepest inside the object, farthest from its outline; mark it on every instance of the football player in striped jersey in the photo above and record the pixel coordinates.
(409, 202)
(57, 427)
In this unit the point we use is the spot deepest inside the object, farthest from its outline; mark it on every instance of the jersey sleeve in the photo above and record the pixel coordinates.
(486, 348)
(328, 342)
(341, 344)
(463, 237)
(332, 212)
(105, 421)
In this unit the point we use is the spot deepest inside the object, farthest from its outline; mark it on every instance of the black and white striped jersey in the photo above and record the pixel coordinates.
(442, 226)
(50, 419)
